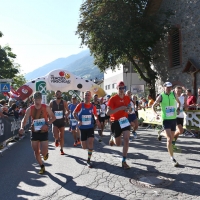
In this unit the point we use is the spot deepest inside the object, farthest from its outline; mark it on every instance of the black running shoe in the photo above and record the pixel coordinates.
(175, 163)
(89, 164)
(159, 135)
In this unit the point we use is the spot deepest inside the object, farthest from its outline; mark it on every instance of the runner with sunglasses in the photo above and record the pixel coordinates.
(117, 109)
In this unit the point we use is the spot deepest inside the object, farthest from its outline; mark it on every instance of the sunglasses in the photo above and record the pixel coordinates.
(121, 88)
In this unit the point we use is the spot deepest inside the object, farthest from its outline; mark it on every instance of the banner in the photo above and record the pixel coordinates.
(191, 118)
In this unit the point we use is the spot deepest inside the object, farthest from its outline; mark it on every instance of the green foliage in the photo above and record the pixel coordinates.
(118, 31)
(113, 94)
(18, 81)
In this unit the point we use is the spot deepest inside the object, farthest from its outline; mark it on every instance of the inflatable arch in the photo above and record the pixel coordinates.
(60, 80)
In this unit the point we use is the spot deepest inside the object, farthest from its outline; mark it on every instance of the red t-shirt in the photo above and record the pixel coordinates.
(79, 107)
(116, 102)
(191, 100)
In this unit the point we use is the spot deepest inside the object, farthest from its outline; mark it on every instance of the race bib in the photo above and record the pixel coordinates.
(170, 111)
(86, 119)
(98, 111)
(102, 114)
(59, 114)
(38, 123)
(123, 122)
(74, 122)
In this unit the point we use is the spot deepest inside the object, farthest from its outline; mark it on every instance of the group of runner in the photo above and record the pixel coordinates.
(86, 116)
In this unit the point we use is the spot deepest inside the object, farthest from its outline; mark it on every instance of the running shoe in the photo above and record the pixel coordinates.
(42, 170)
(159, 135)
(125, 166)
(175, 163)
(46, 157)
(62, 152)
(111, 141)
(176, 149)
(56, 143)
(89, 164)
(75, 143)
(78, 142)
(134, 134)
(100, 139)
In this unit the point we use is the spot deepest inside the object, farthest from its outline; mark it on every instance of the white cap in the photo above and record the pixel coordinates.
(167, 84)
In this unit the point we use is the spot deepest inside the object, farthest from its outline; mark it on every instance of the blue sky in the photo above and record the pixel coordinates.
(40, 31)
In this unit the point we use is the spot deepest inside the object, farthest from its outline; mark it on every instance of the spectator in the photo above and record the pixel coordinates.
(144, 103)
(14, 111)
(150, 101)
(191, 100)
(22, 110)
(198, 99)
(136, 103)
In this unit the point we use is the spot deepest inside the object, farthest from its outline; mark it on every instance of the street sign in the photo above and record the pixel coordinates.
(41, 87)
(5, 80)
(5, 87)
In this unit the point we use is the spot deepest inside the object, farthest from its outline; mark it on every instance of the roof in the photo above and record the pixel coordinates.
(191, 67)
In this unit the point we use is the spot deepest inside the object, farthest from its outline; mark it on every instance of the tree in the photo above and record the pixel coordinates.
(8, 69)
(120, 31)
(18, 81)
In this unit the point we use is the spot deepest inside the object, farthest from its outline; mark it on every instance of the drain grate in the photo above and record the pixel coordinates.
(152, 180)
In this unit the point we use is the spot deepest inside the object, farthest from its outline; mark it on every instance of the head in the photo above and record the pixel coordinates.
(149, 97)
(58, 94)
(121, 87)
(189, 92)
(199, 91)
(95, 97)
(87, 96)
(37, 98)
(167, 87)
(128, 93)
(178, 90)
(74, 99)
(134, 97)
(3, 102)
(107, 97)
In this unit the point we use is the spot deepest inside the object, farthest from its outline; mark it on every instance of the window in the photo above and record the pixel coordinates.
(108, 87)
(114, 86)
(175, 48)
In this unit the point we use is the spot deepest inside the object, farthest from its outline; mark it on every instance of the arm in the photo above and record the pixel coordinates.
(75, 114)
(111, 111)
(157, 102)
(52, 117)
(185, 103)
(24, 120)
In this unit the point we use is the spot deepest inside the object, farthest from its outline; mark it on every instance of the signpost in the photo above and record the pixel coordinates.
(41, 87)
(4, 87)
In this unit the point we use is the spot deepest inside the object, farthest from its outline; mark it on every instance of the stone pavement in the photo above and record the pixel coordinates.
(67, 177)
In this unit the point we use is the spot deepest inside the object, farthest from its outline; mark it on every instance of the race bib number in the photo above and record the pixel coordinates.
(123, 122)
(58, 114)
(38, 123)
(98, 111)
(170, 111)
(86, 119)
(74, 122)
(102, 114)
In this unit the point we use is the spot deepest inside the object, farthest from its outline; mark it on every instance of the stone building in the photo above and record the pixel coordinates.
(177, 58)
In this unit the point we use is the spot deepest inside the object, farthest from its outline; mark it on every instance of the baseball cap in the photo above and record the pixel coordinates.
(37, 95)
(167, 84)
(73, 96)
(121, 83)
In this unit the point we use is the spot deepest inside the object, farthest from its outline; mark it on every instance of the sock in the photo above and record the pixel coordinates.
(89, 154)
(124, 159)
(42, 166)
(172, 157)
(174, 141)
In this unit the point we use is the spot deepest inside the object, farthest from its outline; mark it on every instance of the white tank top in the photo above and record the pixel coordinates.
(181, 99)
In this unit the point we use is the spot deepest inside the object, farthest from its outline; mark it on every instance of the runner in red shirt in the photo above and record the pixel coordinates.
(117, 109)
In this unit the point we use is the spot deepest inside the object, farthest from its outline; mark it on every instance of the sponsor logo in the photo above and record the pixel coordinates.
(62, 78)
(24, 91)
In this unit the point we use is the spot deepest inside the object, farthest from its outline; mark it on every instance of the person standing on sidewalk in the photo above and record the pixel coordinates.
(117, 109)
(170, 107)
(73, 121)
(41, 117)
(59, 108)
(85, 113)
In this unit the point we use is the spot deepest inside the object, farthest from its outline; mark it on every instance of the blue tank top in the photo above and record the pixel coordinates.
(71, 108)
(86, 117)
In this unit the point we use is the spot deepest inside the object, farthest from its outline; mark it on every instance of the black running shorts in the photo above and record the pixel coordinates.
(179, 121)
(169, 124)
(117, 130)
(59, 123)
(38, 136)
(87, 133)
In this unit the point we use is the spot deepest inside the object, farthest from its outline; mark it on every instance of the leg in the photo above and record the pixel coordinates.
(136, 124)
(126, 135)
(44, 148)
(179, 131)
(36, 148)
(170, 136)
(56, 135)
(61, 136)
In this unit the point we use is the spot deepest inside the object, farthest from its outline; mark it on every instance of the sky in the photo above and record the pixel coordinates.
(40, 31)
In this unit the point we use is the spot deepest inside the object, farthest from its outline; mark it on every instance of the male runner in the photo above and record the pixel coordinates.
(117, 109)
(59, 108)
(170, 107)
(39, 114)
(73, 121)
(85, 113)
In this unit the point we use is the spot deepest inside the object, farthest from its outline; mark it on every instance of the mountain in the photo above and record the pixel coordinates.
(80, 64)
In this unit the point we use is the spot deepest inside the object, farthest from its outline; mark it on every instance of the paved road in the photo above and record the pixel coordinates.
(67, 177)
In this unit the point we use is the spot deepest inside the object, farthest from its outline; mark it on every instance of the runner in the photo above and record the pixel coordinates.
(180, 117)
(132, 118)
(167, 101)
(117, 109)
(96, 103)
(84, 113)
(39, 114)
(59, 108)
(73, 122)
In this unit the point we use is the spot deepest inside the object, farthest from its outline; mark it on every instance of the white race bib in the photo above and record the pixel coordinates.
(74, 122)
(170, 111)
(38, 123)
(123, 122)
(58, 114)
(86, 119)
(102, 114)
(98, 111)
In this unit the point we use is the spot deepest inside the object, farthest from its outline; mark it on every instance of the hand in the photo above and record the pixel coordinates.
(79, 123)
(44, 127)
(21, 131)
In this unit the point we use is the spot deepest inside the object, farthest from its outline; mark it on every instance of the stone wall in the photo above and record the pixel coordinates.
(186, 16)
